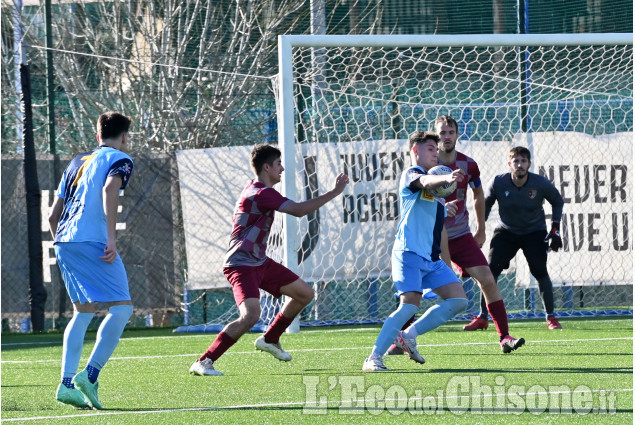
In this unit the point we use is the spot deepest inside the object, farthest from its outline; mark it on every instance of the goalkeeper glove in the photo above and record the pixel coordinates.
(554, 237)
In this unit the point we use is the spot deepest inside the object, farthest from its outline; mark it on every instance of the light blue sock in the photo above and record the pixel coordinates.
(108, 335)
(74, 343)
(435, 316)
(391, 328)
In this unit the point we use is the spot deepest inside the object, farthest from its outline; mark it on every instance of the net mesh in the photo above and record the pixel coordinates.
(354, 108)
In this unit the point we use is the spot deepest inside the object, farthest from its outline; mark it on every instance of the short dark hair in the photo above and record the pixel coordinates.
(112, 124)
(446, 119)
(263, 154)
(420, 137)
(520, 151)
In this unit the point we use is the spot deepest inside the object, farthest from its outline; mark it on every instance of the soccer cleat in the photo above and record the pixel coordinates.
(273, 349)
(509, 344)
(477, 323)
(71, 396)
(552, 323)
(393, 350)
(204, 368)
(83, 384)
(374, 365)
(409, 346)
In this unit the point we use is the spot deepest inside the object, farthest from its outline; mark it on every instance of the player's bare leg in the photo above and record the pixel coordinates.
(496, 307)
(299, 294)
(485, 279)
(249, 311)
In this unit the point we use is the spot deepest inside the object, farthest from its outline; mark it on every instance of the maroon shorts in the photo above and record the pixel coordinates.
(465, 253)
(270, 277)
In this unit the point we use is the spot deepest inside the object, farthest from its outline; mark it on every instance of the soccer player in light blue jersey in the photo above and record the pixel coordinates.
(83, 221)
(417, 266)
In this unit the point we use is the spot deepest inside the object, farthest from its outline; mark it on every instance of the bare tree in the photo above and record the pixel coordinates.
(193, 74)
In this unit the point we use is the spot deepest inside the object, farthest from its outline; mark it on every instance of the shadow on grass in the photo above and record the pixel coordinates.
(20, 345)
(27, 386)
(547, 370)
(417, 409)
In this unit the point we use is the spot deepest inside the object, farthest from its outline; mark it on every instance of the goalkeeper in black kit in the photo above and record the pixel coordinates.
(522, 225)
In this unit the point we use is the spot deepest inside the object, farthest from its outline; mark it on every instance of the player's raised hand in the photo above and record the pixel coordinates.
(452, 207)
(340, 183)
(554, 237)
(456, 176)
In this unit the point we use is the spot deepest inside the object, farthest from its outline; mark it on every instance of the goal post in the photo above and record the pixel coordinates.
(537, 89)
(347, 103)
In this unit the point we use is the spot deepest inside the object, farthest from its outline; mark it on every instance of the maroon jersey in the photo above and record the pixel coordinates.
(253, 217)
(459, 225)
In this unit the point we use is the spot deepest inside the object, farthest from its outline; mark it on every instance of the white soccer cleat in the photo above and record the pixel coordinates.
(204, 368)
(374, 365)
(410, 347)
(273, 349)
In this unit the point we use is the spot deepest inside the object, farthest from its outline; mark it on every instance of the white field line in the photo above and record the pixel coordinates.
(185, 335)
(295, 403)
(197, 335)
(323, 349)
(521, 324)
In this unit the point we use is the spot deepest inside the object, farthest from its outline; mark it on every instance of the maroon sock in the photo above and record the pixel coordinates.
(279, 325)
(499, 316)
(218, 347)
(408, 323)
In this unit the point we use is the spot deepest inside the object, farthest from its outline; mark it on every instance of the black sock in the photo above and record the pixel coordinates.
(546, 293)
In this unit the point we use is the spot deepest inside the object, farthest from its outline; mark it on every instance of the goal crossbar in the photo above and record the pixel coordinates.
(456, 40)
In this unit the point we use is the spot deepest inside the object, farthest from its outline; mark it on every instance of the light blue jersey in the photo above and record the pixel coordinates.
(83, 218)
(421, 218)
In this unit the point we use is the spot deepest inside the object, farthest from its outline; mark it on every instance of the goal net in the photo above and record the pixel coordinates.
(349, 103)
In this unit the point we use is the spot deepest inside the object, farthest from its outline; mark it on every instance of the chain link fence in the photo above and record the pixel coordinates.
(149, 242)
(205, 93)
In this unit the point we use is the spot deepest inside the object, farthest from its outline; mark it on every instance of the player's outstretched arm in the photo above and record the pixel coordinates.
(433, 181)
(300, 209)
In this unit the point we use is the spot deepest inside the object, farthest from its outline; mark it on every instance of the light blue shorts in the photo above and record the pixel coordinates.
(87, 277)
(412, 273)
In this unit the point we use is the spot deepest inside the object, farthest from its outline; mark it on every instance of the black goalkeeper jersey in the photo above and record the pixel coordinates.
(521, 209)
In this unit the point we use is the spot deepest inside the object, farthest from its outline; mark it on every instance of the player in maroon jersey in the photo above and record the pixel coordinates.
(465, 247)
(247, 267)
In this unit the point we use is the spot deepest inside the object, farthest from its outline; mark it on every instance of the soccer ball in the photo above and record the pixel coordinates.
(446, 189)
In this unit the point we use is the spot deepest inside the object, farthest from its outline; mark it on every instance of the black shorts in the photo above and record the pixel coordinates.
(505, 245)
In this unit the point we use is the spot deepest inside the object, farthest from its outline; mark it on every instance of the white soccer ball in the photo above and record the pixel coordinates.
(446, 189)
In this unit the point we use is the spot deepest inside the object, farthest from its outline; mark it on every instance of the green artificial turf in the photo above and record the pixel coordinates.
(582, 374)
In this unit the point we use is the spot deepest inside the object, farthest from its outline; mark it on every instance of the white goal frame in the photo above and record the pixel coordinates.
(286, 132)
(286, 123)
(286, 43)
(510, 88)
